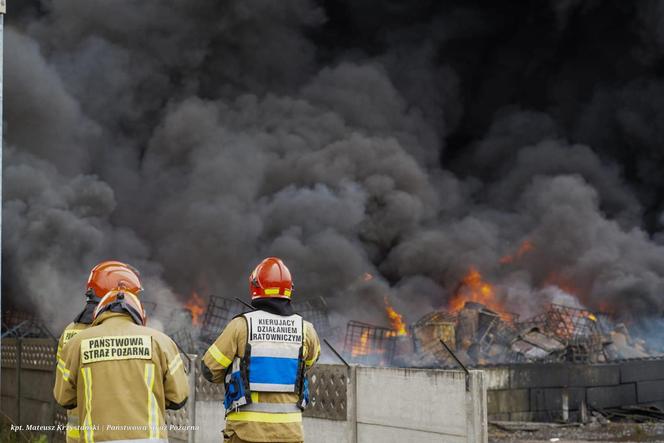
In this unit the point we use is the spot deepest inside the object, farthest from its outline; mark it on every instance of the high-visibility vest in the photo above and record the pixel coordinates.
(272, 362)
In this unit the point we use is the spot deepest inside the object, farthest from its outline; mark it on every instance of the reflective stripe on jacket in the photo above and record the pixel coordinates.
(121, 376)
(248, 423)
(72, 414)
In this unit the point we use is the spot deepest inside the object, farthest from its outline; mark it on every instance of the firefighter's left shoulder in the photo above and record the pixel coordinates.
(310, 344)
(163, 341)
(310, 334)
(74, 341)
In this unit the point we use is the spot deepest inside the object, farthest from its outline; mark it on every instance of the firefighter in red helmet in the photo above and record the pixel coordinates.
(103, 277)
(262, 357)
(145, 364)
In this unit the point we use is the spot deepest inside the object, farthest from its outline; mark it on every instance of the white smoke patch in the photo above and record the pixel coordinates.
(555, 295)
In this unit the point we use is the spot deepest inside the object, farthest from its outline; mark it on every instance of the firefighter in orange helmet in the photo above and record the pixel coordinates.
(120, 347)
(103, 278)
(262, 357)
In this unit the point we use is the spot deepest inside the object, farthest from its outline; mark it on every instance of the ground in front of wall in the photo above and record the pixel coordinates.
(595, 432)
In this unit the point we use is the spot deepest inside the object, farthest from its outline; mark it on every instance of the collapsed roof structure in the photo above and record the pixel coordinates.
(481, 336)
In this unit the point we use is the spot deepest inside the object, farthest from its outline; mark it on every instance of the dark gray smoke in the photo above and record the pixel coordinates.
(409, 142)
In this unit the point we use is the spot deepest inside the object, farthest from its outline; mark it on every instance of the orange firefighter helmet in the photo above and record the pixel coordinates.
(271, 278)
(119, 300)
(111, 274)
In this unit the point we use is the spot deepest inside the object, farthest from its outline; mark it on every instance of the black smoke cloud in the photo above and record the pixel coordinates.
(405, 141)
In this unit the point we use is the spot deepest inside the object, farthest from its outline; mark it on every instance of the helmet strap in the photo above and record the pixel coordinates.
(90, 294)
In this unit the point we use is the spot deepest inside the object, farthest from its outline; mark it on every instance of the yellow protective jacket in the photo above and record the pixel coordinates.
(72, 414)
(258, 426)
(121, 376)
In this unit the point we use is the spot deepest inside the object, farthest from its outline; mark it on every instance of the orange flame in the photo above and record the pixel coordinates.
(195, 305)
(524, 248)
(396, 319)
(362, 347)
(567, 326)
(473, 288)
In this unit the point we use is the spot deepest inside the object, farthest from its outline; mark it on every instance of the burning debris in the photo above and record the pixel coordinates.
(200, 321)
(577, 330)
(219, 312)
(369, 345)
(533, 345)
(429, 330)
(473, 288)
(195, 305)
(396, 319)
(479, 329)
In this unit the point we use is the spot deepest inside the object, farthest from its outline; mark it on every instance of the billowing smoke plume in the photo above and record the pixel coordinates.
(408, 142)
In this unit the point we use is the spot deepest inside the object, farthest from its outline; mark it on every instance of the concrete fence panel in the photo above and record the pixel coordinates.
(348, 404)
(564, 392)
(397, 405)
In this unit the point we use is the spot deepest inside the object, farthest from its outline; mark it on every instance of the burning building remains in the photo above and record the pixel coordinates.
(437, 170)
(476, 324)
(480, 331)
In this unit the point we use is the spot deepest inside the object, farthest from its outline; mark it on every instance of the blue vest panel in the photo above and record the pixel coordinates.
(273, 370)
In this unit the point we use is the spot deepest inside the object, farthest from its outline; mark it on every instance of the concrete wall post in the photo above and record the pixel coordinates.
(19, 357)
(351, 402)
(191, 402)
(476, 409)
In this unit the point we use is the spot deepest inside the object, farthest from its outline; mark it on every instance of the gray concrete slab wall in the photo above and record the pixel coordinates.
(552, 392)
(350, 405)
(390, 405)
(420, 405)
(407, 399)
(210, 421)
(320, 430)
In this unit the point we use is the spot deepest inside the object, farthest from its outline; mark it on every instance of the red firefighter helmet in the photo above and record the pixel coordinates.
(109, 275)
(121, 300)
(271, 279)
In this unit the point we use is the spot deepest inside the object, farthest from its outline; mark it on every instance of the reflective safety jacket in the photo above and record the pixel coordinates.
(262, 359)
(121, 376)
(72, 414)
(272, 362)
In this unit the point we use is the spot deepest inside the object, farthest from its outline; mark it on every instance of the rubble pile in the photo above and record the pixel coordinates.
(370, 345)
(481, 336)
